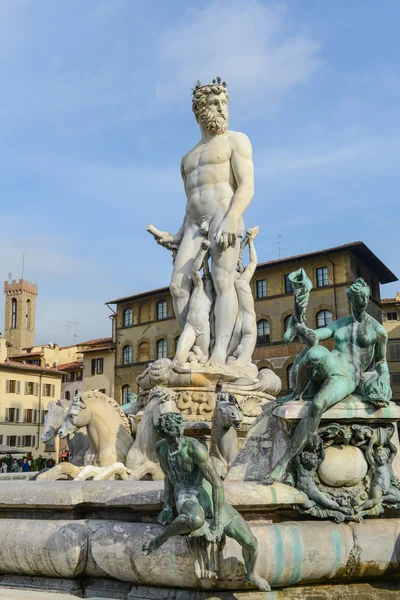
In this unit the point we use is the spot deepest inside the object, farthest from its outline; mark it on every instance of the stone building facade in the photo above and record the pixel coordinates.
(391, 321)
(146, 328)
(20, 314)
(25, 392)
(99, 365)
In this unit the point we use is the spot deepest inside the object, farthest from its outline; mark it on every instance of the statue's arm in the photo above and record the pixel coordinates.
(251, 267)
(203, 459)
(243, 171)
(380, 352)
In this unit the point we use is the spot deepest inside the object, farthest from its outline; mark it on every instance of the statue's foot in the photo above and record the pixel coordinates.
(260, 583)
(216, 360)
(291, 398)
(277, 474)
(150, 546)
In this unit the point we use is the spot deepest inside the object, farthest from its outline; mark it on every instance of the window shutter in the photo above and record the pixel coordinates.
(7, 414)
(36, 389)
(33, 440)
(18, 440)
(1, 440)
(53, 391)
(8, 386)
(44, 389)
(8, 440)
(35, 416)
(25, 415)
(18, 387)
(26, 387)
(17, 414)
(93, 366)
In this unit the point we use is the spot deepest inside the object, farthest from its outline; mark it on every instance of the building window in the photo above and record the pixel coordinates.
(127, 355)
(68, 395)
(162, 349)
(27, 311)
(286, 322)
(11, 440)
(128, 317)
(323, 318)
(395, 378)
(394, 350)
(391, 316)
(261, 288)
(12, 415)
(144, 352)
(35, 361)
(97, 366)
(322, 276)
(48, 390)
(126, 390)
(79, 375)
(263, 332)
(162, 309)
(288, 285)
(28, 415)
(29, 388)
(44, 415)
(13, 386)
(289, 372)
(13, 313)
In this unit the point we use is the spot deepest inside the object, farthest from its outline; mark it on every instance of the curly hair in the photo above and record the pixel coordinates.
(169, 421)
(358, 287)
(200, 96)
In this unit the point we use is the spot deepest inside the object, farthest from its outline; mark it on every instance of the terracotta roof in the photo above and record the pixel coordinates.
(161, 290)
(21, 365)
(77, 364)
(388, 300)
(98, 348)
(28, 354)
(358, 248)
(95, 342)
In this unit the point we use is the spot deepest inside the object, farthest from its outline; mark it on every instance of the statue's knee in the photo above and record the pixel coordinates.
(252, 544)
(196, 521)
(316, 409)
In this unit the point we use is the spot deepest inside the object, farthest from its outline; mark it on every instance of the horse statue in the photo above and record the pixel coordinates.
(80, 452)
(226, 420)
(142, 460)
(109, 433)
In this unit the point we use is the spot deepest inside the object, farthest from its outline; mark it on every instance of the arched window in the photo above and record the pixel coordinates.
(126, 390)
(67, 396)
(289, 373)
(27, 313)
(144, 313)
(162, 309)
(128, 317)
(323, 318)
(177, 342)
(13, 313)
(162, 349)
(144, 352)
(127, 355)
(286, 322)
(263, 332)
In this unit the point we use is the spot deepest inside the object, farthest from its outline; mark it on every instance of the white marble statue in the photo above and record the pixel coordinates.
(218, 176)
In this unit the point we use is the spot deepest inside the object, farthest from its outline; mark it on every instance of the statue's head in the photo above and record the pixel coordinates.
(358, 294)
(210, 106)
(381, 455)
(170, 426)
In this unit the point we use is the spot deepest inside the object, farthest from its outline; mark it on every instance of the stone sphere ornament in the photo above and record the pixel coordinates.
(343, 466)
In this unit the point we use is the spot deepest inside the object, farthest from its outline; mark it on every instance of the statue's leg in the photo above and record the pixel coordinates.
(334, 389)
(374, 500)
(181, 282)
(185, 343)
(226, 303)
(301, 375)
(190, 518)
(238, 529)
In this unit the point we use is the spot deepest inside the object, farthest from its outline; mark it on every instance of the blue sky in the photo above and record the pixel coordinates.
(95, 115)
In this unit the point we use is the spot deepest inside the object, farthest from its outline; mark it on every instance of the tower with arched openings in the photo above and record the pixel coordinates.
(19, 314)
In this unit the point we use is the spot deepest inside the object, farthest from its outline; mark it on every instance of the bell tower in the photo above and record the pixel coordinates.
(20, 314)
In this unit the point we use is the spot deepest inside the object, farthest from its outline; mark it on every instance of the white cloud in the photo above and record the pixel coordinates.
(254, 47)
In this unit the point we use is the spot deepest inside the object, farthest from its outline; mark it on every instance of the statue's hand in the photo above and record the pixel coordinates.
(227, 232)
(165, 516)
(168, 240)
(377, 389)
(217, 531)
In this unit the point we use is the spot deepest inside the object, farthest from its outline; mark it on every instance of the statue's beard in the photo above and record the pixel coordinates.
(216, 124)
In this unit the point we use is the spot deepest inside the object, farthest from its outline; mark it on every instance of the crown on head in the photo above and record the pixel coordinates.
(216, 81)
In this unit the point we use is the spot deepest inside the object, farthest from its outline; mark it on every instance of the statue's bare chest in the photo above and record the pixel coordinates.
(215, 152)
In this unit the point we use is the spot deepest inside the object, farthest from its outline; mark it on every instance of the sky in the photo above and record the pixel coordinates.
(95, 116)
